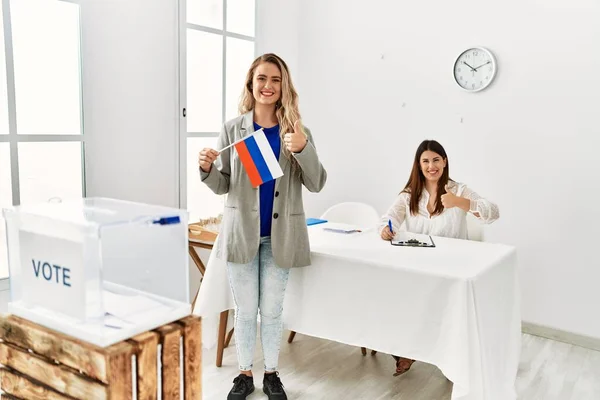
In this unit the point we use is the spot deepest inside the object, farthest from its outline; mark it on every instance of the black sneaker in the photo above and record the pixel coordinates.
(243, 385)
(273, 387)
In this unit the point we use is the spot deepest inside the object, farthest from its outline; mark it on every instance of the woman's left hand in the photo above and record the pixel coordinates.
(295, 142)
(450, 200)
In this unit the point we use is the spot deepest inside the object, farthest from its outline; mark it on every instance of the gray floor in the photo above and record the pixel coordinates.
(313, 369)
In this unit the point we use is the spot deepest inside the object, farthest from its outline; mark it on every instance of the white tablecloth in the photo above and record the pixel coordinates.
(455, 306)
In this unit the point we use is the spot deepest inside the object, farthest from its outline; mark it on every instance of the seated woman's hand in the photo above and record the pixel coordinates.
(386, 234)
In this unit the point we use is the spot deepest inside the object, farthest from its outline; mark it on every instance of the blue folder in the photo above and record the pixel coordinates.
(314, 221)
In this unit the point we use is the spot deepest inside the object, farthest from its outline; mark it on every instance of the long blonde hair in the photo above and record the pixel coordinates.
(286, 108)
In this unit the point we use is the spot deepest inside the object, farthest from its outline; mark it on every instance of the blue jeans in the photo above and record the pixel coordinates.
(259, 284)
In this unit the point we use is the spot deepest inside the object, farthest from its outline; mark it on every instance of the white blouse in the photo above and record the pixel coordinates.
(450, 223)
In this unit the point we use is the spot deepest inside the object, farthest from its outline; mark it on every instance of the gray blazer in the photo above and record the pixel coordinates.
(239, 237)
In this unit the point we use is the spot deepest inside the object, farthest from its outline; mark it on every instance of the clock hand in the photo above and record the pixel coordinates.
(472, 69)
(481, 65)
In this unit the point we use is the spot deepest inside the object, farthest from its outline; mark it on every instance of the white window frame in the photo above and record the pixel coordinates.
(184, 134)
(13, 138)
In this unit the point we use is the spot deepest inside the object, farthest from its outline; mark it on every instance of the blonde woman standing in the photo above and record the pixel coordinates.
(264, 231)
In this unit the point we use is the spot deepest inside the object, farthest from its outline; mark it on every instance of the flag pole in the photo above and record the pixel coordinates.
(238, 141)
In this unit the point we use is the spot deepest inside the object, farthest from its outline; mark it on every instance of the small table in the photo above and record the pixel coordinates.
(200, 237)
(197, 260)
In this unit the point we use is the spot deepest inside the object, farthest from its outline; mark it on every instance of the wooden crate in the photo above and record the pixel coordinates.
(39, 363)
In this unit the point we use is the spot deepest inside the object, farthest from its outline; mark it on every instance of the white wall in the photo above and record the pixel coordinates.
(376, 79)
(131, 99)
(277, 29)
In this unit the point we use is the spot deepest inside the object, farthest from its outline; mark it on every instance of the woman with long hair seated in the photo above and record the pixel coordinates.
(431, 203)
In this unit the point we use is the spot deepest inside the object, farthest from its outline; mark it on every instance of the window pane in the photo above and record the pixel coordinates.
(240, 16)
(3, 94)
(205, 12)
(5, 201)
(49, 170)
(204, 81)
(46, 57)
(201, 201)
(240, 54)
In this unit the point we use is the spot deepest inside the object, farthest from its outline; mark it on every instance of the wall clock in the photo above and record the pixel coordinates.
(475, 69)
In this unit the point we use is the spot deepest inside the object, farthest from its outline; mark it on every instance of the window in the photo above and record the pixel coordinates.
(3, 87)
(5, 201)
(41, 142)
(218, 51)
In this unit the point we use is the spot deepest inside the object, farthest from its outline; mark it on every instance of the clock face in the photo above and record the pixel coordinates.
(474, 69)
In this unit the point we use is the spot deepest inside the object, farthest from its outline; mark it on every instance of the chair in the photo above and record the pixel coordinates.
(353, 213)
(474, 228)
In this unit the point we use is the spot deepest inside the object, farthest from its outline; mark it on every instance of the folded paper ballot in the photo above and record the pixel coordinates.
(129, 307)
(341, 228)
(110, 321)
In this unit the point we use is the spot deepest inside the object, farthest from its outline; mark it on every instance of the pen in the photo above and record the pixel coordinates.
(390, 226)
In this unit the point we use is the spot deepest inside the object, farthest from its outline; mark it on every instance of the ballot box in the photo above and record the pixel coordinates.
(101, 270)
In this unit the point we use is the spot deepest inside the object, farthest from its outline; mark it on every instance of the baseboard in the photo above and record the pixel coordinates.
(562, 336)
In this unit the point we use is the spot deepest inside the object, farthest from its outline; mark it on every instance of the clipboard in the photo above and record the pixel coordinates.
(413, 240)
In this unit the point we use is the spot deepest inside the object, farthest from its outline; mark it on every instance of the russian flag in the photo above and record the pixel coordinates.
(257, 157)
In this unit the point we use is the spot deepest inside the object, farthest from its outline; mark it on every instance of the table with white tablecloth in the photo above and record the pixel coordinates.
(455, 306)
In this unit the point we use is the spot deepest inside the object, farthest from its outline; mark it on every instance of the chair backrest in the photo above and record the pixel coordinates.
(359, 214)
(474, 228)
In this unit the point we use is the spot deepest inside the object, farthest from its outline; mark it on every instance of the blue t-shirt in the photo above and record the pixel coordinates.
(267, 190)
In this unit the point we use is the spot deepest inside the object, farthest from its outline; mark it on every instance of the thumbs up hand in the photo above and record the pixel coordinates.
(449, 200)
(296, 141)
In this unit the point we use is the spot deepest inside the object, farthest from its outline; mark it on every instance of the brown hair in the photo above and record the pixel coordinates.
(416, 182)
